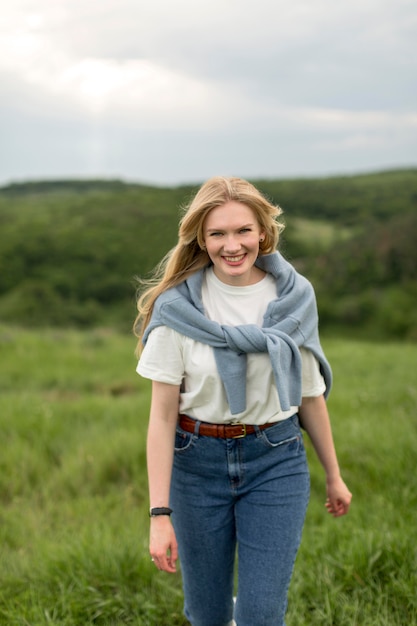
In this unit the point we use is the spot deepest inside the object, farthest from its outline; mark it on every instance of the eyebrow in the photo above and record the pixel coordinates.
(216, 230)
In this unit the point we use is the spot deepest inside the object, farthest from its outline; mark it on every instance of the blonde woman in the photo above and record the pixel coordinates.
(230, 341)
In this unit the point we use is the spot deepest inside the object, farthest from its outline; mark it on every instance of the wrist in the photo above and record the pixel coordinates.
(332, 477)
(158, 511)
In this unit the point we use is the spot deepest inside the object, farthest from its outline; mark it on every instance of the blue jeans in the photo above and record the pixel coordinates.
(250, 493)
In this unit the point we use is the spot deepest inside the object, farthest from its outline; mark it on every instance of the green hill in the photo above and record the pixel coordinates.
(69, 250)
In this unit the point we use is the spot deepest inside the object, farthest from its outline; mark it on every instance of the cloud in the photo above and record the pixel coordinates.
(333, 77)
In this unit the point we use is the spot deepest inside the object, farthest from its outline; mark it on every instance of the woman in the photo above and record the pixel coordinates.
(230, 334)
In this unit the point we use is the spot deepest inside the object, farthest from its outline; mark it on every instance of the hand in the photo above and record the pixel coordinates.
(163, 544)
(338, 497)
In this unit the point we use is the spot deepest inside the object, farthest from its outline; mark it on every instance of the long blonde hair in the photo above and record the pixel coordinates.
(189, 255)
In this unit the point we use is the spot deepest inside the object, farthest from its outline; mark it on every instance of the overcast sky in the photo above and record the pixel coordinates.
(174, 91)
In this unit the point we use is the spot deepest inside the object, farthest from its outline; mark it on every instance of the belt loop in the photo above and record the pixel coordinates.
(197, 428)
(258, 431)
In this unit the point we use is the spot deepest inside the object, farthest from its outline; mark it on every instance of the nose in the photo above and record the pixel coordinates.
(231, 244)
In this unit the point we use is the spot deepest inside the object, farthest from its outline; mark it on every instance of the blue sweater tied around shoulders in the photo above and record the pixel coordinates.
(290, 322)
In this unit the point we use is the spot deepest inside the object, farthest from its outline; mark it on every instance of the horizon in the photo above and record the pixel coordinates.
(192, 183)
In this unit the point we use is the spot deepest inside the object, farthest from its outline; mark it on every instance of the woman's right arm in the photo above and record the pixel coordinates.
(160, 451)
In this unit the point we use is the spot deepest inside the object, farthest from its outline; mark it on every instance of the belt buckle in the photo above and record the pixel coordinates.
(243, 433)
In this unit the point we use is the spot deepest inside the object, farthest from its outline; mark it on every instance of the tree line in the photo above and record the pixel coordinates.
(70, 250)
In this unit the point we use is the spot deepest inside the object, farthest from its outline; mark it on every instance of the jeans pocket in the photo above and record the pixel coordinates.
(183, 441)
(291, 441)
(286, 433)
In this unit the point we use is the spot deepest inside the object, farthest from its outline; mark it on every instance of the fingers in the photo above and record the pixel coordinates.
(338, 498)
(337, 507)
(172, 558)
(166, 562)
(163, 545)
(165, 565)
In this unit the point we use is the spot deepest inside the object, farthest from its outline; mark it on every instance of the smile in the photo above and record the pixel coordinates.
(234, 259)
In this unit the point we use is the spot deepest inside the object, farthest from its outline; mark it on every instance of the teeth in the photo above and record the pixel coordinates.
(234, 259)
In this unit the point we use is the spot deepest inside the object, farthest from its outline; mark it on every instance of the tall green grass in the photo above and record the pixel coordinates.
(73, 495)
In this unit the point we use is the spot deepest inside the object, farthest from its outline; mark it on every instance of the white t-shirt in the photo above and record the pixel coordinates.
(173, 358)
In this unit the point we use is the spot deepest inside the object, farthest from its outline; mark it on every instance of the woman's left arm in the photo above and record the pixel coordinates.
(314, 418)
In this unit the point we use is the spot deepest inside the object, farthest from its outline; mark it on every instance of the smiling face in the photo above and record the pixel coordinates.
(231, 235)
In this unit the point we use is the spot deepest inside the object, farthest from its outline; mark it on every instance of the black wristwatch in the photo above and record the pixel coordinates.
(160, 510)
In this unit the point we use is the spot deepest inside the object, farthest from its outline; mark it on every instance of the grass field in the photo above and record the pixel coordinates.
(73, 494)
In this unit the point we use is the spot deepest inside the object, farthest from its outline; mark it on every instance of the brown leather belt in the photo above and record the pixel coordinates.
(222, 431)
